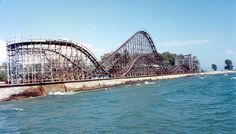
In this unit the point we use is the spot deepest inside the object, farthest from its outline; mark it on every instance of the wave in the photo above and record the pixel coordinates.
(233, 78)
(106, 89)
(17, 109)
(147, 82)
(61, 93)
(138, 84)
(12, 109)
(202, 77)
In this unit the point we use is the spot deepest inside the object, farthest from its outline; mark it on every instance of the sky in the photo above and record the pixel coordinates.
(204, 28)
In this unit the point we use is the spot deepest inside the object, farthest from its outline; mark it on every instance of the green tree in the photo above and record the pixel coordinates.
(168, 59)
(126, 56)
(3, 76)
(105, 56)
(3, 72)
(196, 63)
(214, 67)
(229, 64)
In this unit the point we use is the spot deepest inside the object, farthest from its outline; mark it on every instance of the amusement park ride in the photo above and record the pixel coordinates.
(42, 61)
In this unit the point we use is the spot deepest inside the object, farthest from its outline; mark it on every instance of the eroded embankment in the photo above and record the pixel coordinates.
(16, 92)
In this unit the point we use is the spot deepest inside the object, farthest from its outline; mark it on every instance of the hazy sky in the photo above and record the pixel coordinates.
(205, 28)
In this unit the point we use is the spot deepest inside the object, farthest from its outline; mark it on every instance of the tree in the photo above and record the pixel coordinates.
(105, 56)
(3, 72)
(126, 56)
(214, 67)
(168, 59)
(229, 64)
(196, 63)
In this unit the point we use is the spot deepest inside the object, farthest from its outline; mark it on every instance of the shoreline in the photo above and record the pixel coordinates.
(18, 92)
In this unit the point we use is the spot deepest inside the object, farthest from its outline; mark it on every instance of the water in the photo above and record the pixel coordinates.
(205, 104)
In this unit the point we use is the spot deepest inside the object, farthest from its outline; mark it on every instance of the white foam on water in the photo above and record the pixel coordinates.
(147, 82)
(138, 84)
(61, 93)
(17, 109)
(10, 108)
(202, 77)
(233, 78)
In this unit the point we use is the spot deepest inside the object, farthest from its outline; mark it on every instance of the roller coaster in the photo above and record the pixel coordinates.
(136, 57)
(42, 61)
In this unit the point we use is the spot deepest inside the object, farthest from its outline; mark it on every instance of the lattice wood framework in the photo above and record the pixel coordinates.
(136, 57)
(40, 61)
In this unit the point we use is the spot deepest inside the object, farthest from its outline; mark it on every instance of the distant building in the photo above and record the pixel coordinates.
(188, 60)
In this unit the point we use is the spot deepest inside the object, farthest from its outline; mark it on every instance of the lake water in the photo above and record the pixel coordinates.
(201, 104)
